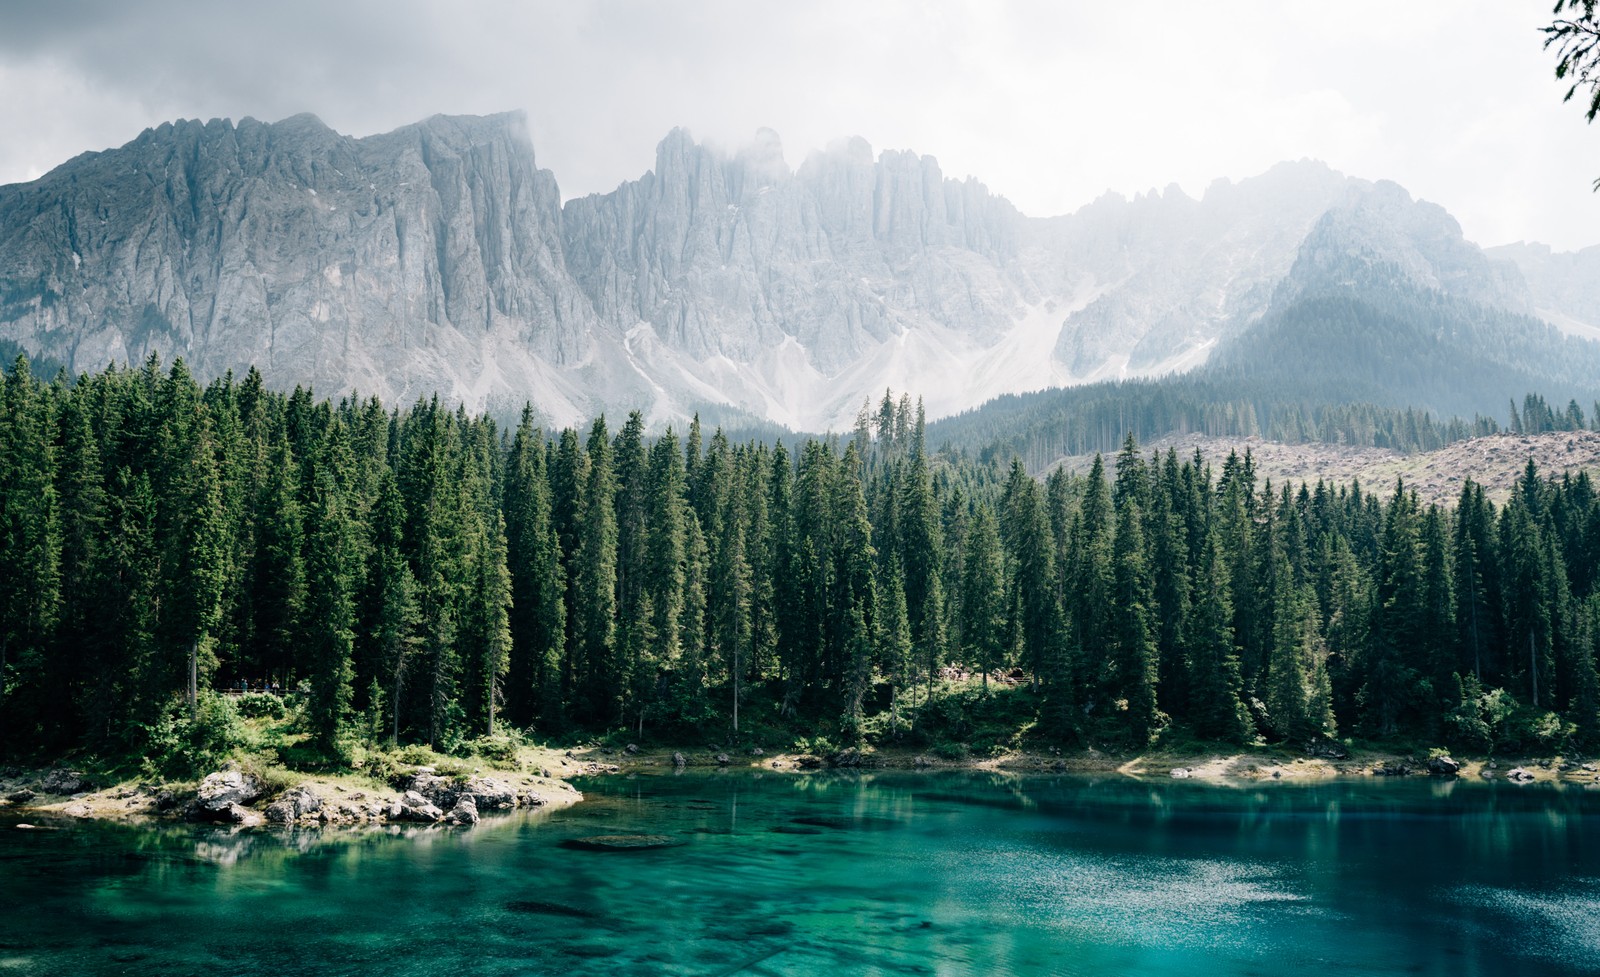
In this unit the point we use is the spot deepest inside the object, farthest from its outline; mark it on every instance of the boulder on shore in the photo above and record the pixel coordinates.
(1443, 766)
(1180, 773)
(414, 807)
(490, 794)
(64, 782)
(222, 796)
(1519, 776)
(294, 804)
(465, 812)
(849, 757)
(440, 791)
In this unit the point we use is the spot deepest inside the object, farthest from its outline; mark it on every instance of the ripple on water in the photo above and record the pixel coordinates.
(1562, 926)
(1147, 901)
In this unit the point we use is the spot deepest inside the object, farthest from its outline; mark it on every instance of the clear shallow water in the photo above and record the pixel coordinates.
(834, 875)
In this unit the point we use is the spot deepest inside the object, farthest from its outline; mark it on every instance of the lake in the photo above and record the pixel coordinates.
(834, 874)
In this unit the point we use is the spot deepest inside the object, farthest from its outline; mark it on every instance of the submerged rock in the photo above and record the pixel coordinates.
(622, 842)
(535, 907)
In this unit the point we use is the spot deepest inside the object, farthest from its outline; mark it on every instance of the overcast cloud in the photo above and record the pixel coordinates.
(1049, 103)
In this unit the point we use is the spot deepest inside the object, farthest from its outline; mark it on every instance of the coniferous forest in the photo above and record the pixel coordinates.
(424, 575)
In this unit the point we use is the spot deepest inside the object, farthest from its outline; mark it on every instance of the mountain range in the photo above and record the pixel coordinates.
(440, 258)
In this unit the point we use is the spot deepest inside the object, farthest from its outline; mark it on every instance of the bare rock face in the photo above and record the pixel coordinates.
(439, 258)
(396, 264)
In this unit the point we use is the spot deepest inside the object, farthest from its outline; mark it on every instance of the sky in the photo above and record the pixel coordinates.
(1049, 103)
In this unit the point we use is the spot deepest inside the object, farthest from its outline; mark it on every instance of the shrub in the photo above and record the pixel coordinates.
(498, 750)
(259, 705)
(183, 747)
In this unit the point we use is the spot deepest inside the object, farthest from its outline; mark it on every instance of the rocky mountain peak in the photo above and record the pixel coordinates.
(439, 257)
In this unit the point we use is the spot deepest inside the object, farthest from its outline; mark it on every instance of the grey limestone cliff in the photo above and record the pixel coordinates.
(440, 258)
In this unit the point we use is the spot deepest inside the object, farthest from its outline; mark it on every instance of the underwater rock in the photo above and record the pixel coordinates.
(622, 842)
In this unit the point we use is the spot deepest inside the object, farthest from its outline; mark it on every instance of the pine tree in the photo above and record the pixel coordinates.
(596, 578)
(189, 515)
(983, 602)
(1132, 682)
(538, 583)
(921, 551)
(855, 597)
(488, 615)
(1216, 709)
(30, 550)
(1398, 613)
(395, 620)
(1025, 533)
(661, 574)
(277, 571)
(331, 612)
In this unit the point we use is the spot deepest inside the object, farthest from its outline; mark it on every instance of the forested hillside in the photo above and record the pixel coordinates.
(423, 575)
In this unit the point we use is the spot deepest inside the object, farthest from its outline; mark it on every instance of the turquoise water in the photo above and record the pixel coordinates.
(874, 874)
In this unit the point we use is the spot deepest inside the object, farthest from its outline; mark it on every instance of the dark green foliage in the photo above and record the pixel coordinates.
(415, 576)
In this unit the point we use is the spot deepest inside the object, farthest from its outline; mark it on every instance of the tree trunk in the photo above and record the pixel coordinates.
(194, 680)
(1477, 651)
(395, 710)
(1533, 668)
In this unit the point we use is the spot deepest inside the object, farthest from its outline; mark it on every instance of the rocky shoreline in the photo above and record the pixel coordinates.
(425, 797)
(240, 798)
(1239, 769)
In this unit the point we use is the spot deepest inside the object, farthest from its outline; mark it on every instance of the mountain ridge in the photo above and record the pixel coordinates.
(440, 257)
